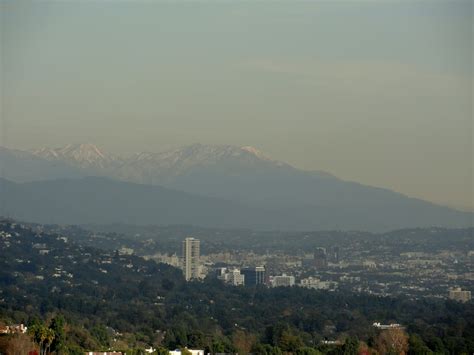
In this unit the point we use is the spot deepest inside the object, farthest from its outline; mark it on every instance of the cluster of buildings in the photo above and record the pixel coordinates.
(248, 276)
(383, 269)
(193, 268)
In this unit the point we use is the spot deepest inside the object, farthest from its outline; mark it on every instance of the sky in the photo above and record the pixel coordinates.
(378, 92)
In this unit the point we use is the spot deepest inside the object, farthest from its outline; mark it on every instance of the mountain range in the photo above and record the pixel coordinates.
(207, 185)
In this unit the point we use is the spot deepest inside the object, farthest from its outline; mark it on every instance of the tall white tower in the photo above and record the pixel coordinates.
(191, 249)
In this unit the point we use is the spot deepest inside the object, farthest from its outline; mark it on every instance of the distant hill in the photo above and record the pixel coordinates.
(98, 200)
(22, 166)
(103, 200)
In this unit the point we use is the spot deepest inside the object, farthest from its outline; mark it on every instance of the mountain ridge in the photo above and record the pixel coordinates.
(231, 179)
(99, 200)
(156, 168)
(196, 152)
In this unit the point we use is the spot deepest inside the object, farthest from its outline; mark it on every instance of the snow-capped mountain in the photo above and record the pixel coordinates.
(81, 155)
(163, 168)
(201, 154)
(279, 194)
(179, 159)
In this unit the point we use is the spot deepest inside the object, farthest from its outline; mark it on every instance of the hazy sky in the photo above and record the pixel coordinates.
(378, 92)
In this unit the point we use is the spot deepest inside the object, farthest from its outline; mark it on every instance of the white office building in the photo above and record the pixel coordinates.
(315, 283)
(283, 281)
(236, 278)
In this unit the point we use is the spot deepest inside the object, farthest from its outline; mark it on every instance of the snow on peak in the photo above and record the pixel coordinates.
(82, 152)
(88, 154)
(254, 151)
(47, 153)
(179, 159)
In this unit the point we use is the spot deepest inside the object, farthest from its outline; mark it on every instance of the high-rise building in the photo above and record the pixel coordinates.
(191, 266)
(254, 275)
(334, 255)
(236, 278)
(320, 258)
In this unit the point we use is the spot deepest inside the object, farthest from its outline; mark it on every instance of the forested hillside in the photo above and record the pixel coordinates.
(116, 301)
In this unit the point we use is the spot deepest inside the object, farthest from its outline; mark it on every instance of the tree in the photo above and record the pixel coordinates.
(99, 332)
(351, 346)
(42, 335)
(266, 349)
(243, 341)
(436, 344)
(37, 331)
(196, 339)
(417, 346)
(305, 350)
(289, 342)
(216, 346)
(57, 326)
(48, 337)
(20, 344)
(161, 351)
(273, 333)
(392, 341)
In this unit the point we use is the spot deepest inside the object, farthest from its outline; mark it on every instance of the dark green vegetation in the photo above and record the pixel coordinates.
(112, 300)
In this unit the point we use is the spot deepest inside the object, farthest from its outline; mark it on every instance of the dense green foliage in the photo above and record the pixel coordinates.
(110, 300)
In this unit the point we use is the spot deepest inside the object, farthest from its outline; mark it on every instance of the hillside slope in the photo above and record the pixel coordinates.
(103, 200)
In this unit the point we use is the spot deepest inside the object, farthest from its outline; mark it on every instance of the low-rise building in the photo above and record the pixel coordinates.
(283, 281)
(387, 326)
(457, 294)
(317, 284)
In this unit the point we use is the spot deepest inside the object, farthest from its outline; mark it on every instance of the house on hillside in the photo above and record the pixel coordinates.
(13, 329)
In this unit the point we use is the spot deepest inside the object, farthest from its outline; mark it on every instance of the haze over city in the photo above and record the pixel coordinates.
(233, 177)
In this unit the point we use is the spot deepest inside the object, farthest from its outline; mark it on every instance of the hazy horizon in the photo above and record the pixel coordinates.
(374, 92)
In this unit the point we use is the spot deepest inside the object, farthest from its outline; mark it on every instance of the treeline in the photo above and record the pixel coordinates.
(55, 336)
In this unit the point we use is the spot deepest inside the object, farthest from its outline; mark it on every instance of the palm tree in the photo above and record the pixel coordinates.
(43, 336)
(49, 337)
